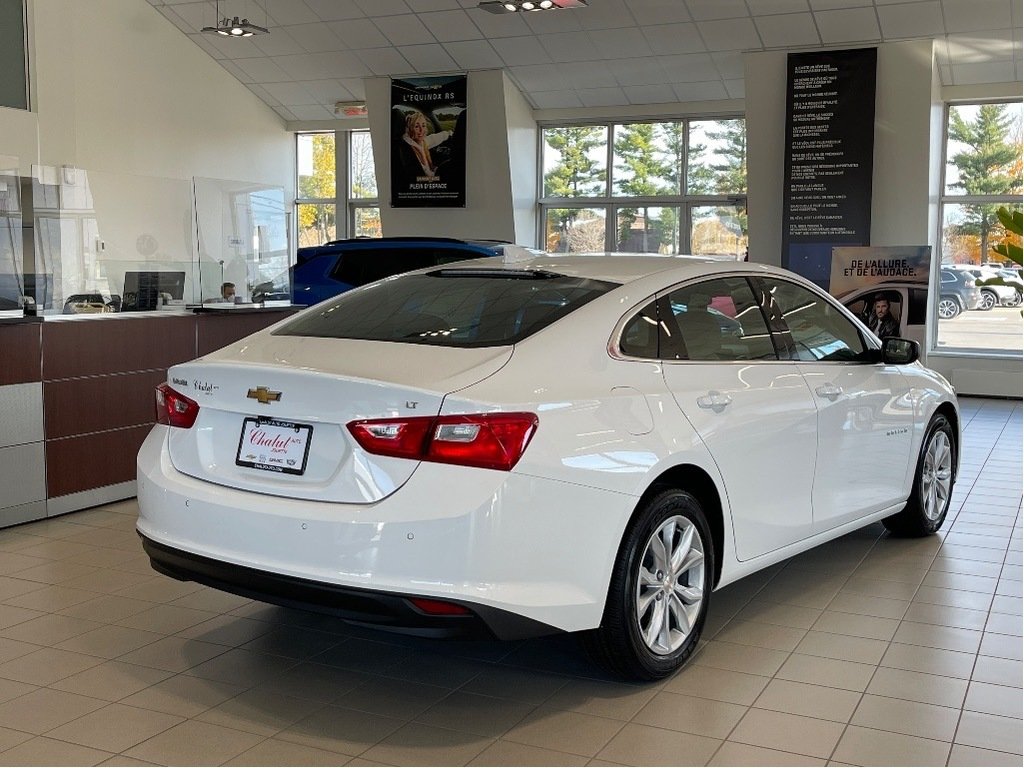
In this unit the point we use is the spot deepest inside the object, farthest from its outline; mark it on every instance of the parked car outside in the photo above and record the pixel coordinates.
(992, 295)
(323, 271)
(550, 444)
(957, 293)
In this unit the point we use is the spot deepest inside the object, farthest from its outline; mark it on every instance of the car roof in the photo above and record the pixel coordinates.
(622, 267)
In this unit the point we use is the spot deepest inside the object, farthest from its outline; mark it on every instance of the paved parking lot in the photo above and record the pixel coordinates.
(999, 328)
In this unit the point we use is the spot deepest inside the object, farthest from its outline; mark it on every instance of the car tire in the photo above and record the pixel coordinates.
(948, 308)
(658, 597)
(933, 483)
(988, 300)
(1016, 300)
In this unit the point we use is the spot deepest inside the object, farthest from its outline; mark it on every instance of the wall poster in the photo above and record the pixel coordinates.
(428, 142)
(885, 286)
(830, 125)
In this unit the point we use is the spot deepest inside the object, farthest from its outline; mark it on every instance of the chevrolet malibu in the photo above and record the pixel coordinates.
(555, 443)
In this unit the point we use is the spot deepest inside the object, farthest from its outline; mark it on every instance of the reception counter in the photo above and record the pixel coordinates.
(76, 399)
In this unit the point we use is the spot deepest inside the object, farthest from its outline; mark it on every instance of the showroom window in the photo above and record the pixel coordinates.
(335, 174)
(13, 57)
(982, 174)
(674, 186)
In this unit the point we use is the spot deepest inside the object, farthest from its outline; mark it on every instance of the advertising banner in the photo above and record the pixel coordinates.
(830, 124)
(428, 142)
(886, 286)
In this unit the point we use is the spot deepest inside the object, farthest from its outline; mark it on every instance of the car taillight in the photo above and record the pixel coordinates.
(439, 607)
(486, 440)
(174, 409)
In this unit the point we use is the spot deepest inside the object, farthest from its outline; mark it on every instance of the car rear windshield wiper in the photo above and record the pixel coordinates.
(509, 274)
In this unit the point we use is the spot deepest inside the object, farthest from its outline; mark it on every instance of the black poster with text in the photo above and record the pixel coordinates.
(428, 142)
(830, 132)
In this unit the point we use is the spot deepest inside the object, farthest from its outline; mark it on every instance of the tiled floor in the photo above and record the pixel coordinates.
(865, 651)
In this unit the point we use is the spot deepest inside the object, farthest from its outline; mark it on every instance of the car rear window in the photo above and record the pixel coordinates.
(450, 308)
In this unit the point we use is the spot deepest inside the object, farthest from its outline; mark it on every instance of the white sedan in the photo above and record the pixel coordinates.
(560, 443)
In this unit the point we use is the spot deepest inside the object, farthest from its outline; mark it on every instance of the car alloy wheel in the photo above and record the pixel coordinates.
(659, 591)
(670, 586)
(936, 475)
(933, 483)
(988, 300)
(948, 308)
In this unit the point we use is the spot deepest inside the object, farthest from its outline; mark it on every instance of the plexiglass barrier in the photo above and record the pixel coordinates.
(92, 242)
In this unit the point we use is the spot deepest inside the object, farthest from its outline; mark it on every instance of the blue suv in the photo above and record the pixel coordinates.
(323, 271)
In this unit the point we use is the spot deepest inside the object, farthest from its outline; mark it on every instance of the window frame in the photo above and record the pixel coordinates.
(946, 199)
(345, 204)
(610, 203)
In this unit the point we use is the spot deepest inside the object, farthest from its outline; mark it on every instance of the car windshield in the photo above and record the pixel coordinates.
(450, 308)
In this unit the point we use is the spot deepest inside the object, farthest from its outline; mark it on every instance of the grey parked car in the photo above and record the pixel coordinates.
(957, 293)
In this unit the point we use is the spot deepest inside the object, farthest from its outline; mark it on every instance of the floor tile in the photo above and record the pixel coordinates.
(512, 754)
(46, 751)
(192, 742)
(274, 752)
(934, 661)
(564, 731)
(973, 756)
(174, 654)
(757, 633)
(1001, 646)
(318, 682)
(46, 666)
(732, 753)
(997, 671)
(1003, 734)
(44, 709)
(114, 728)
(617, 700)
(717, 684)
(832, 673)
(183, 695)
(991, 699)
(830, 646)
(809, 700)
(472, 713)
(258, 711)
(526, 685)
(643, 745)
(918, 686)
(740, 658)
(867, 746)
(788, 733)
(111, 680)
(690, 714)
(341, 730)
(418, 744)
(907, 717)
(932, 636)
(855, 625)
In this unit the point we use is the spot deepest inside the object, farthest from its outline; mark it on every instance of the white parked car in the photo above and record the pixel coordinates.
(562, 443)
(1004, 294)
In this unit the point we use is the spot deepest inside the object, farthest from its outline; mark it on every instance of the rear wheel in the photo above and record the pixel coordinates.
(658, 598)
(988, 300)
(948, 308)
(933, 484)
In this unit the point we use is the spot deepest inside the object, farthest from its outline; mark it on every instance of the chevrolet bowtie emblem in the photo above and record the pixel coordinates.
(264, 395)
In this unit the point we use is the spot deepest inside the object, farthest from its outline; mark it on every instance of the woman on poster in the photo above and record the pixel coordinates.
(412, 149)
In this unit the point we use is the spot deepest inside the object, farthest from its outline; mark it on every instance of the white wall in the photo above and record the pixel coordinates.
(500, 125)
(118, 89)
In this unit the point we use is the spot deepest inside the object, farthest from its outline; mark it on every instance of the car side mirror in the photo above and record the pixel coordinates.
(897, 351)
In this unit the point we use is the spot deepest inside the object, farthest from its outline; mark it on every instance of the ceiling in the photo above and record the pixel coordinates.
(614, 52)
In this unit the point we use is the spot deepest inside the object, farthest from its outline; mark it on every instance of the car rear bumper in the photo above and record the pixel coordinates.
(361, 606)
(502, 544)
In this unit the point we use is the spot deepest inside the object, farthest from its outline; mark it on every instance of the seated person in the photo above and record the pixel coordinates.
(227, 295)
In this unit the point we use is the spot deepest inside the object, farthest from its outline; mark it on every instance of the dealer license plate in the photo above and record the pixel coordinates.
(274, 446)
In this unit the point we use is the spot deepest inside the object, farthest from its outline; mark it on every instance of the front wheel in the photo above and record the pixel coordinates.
(933, 483)
(948, 308)
(658, 598)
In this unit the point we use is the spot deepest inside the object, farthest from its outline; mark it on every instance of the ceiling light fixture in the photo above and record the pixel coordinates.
(234, 27)
(518, 6)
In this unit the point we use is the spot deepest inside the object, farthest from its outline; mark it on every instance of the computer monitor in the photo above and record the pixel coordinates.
(142, 289)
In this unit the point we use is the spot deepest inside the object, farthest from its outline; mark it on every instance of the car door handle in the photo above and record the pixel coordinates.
(714, 400)
(831, 391)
